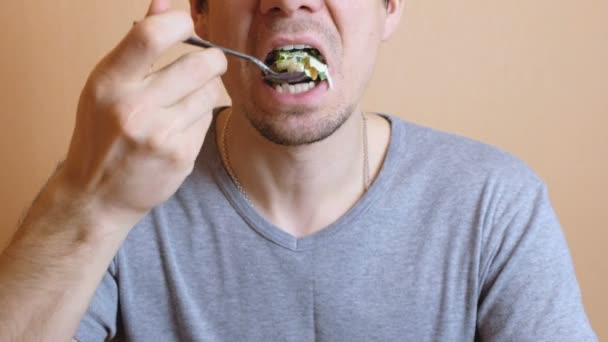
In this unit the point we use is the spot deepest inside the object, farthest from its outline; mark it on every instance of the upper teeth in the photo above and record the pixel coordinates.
(292, 47)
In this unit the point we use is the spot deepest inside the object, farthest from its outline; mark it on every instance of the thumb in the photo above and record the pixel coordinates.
(158, 6)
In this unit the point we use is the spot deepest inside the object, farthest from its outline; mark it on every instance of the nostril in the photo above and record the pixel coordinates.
(289, 7)
(275, 10)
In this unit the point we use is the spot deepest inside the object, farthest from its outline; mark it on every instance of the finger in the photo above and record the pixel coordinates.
(184, 147)
(191, 139)
(157, 7)
(190, 72)
(197, 104)
(145, 42)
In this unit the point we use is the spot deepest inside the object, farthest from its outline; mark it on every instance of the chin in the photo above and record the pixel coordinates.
(299, 126)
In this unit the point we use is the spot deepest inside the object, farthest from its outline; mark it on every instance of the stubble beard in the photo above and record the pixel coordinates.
(301, 125)
(278, 128)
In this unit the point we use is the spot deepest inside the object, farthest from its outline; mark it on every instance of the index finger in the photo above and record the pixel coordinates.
(145, 42)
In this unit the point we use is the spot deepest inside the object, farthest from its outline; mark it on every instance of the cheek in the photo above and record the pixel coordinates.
(360, 58)
(224, 32)
(229, 26)
(360, 27)
(230, 22)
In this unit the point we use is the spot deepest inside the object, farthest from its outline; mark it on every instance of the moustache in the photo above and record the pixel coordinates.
(328, 35)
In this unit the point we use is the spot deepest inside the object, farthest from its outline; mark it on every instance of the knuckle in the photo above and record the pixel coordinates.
(96, 91)
(194, 61)
(121, 111)
(146, 38)
(219, 60)
(121, 115)
(184, 21)
(158, 143)
(212, 91)
(96, 88)
(212, 61)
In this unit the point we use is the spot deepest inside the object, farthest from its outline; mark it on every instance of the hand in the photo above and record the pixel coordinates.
(137, 133)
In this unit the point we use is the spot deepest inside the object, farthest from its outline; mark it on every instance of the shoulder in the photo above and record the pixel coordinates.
(452, 158)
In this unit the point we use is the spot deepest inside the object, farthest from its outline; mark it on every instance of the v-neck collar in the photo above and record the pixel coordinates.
(211, 156)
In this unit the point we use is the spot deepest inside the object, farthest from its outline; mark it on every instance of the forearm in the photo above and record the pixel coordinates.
(52, 267)
(136, 139)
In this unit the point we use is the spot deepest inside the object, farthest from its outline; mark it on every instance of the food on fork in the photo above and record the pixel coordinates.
(304, 59)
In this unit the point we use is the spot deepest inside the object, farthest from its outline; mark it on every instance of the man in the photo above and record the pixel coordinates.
(291, 216)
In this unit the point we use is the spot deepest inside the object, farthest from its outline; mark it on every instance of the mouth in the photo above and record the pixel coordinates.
(298, 58)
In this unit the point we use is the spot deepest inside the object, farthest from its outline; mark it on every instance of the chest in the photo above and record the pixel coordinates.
(360, 290)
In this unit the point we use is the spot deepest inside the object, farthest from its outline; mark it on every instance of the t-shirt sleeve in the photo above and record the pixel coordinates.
(529, 290)
(100, 321)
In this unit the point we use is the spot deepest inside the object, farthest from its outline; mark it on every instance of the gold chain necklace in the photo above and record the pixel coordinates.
(224, 151)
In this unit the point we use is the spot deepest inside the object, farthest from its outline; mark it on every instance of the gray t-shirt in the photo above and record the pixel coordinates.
(454, 241)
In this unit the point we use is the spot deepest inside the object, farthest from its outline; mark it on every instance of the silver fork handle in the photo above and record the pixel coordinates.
(205, 44)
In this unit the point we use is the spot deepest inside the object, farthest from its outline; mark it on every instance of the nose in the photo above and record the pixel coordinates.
(289, 7)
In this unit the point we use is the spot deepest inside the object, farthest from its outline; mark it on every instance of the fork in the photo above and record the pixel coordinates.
(269, 74)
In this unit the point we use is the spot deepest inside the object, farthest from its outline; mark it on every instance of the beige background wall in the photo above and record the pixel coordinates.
(528, 76)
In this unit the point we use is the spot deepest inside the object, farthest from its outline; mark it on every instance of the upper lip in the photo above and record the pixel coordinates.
(280, 41)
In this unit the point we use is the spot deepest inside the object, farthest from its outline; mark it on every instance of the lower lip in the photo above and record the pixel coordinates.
(312, 96)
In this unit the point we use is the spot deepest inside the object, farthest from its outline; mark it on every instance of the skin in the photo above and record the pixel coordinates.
(135, 140)
(138, 134)
(277, 148)
(349, 36)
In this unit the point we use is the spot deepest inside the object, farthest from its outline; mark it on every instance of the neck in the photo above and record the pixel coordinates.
(298, 188)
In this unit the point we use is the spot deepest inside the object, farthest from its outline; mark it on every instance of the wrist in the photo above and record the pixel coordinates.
(72, 216)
